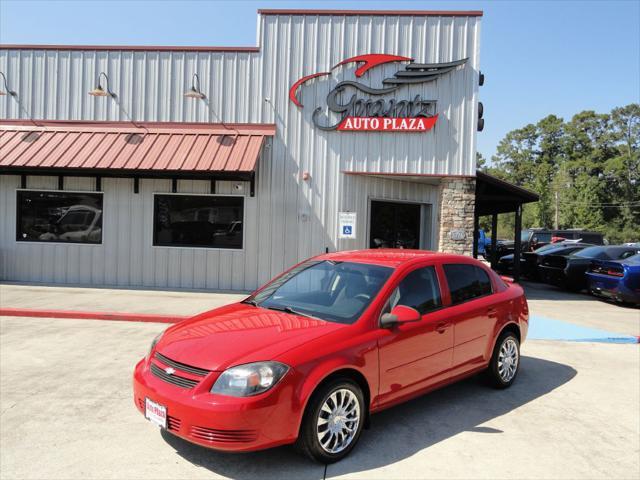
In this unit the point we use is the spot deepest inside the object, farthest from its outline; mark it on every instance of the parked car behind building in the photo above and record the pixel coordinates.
(530, 261)
(568, 271)
(617, 280)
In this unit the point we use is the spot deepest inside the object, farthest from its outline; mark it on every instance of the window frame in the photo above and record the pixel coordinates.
(199, 247)
(440, 292)
(451, 302)
(56, 242)
(396, 284)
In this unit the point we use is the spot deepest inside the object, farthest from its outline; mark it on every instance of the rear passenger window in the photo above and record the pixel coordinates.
(419, 290)
(466, 282)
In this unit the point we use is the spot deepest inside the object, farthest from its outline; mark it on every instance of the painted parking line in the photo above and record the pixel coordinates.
(74, 314)
(543, 328)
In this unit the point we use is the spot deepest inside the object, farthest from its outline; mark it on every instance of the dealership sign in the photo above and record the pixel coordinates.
(369, 108)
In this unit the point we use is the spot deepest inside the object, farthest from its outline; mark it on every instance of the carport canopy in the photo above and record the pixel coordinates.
(495, 196)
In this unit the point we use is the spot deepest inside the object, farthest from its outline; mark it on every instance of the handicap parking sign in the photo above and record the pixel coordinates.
(347, 225)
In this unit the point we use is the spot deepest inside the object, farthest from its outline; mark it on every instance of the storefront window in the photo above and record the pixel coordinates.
(198, 221)
(73, 217)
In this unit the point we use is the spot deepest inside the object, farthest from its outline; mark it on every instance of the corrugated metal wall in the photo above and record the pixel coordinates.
(289, 219)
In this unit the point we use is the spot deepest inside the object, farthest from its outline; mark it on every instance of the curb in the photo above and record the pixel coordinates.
(74, 314)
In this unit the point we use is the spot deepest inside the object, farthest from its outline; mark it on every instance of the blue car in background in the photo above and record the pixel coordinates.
(617, 280)
(483, 243)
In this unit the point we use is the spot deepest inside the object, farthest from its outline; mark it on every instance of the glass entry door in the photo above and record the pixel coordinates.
(395, 225)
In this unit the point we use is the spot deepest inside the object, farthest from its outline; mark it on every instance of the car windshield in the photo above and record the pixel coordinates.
(634, 259)
(602, 253)
(591, 252)
(551, 246)
(333, 291)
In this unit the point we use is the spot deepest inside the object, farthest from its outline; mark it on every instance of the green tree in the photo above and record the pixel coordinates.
(586, 171)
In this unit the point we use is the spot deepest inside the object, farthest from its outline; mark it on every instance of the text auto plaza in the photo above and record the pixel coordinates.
(219, 167)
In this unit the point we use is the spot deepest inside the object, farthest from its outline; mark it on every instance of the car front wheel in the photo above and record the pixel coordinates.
(333, 421)
(505, 361)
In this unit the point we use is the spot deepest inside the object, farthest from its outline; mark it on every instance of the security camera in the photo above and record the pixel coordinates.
(238, 186)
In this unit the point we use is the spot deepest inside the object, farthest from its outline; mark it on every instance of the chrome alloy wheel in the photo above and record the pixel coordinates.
(508, 360)
(338, 420)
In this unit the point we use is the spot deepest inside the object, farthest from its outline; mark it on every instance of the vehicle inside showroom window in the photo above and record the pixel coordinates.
(55, 216)
(212, 221)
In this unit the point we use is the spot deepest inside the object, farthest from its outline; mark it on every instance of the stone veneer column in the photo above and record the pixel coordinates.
(457, 206)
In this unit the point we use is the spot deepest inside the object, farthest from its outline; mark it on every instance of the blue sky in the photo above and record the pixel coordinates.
(538, 57)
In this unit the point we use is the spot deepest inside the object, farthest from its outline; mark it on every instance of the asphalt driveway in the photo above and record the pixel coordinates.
(67, 412)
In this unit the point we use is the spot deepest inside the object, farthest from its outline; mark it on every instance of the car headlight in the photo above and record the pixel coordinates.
(250, 379)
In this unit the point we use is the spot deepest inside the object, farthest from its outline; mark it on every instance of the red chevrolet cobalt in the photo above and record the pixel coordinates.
(310, 356)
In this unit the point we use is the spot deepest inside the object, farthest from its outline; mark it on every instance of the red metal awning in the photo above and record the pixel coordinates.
(94, 147)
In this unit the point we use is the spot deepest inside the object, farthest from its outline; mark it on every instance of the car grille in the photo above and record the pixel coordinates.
(173, 423)
(174, 379)
(227, 436)
(201, 372)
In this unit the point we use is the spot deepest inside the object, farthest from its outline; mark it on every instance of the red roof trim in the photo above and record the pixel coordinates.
(129, 48)
(93, 125)
(400, 13)
(386, 174)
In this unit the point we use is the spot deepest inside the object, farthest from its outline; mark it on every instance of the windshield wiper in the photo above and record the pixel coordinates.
(291, 311)
(250, 301)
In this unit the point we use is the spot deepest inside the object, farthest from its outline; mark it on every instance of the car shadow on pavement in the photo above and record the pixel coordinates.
(399, 432)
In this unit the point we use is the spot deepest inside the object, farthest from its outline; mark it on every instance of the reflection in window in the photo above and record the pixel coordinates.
(419, 290)
(198, 221)
(466, 282)
(333, 291)
(59, 217)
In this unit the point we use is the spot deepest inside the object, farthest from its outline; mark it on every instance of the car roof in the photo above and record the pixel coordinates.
(389, 257)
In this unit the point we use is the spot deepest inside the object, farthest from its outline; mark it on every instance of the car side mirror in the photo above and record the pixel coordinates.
(399, 314)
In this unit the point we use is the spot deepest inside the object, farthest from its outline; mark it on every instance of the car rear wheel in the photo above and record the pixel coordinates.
(505, 361)
(333, 421)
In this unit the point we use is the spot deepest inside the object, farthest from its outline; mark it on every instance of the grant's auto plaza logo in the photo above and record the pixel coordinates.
(371, 109)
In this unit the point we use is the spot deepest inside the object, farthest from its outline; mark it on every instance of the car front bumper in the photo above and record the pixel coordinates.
(218, 421)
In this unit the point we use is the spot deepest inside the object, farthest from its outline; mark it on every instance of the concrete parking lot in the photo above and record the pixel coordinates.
(67, 412)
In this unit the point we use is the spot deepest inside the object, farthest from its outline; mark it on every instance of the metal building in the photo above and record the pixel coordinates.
(218, 167)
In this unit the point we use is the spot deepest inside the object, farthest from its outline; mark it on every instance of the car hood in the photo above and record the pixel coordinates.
(237, 334)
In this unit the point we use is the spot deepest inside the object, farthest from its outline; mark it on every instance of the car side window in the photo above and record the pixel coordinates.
(466, 282)
(419, 290)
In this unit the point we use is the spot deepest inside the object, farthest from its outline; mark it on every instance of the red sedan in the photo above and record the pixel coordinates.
(310, 356)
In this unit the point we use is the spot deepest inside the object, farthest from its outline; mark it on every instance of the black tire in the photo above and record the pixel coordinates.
(308, 442)
(497, 377)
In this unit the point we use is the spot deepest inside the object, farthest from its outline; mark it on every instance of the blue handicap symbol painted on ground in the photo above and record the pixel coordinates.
(542, 328)
(347, 229)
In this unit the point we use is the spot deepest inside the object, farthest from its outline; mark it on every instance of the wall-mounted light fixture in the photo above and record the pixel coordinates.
(194, 91)
(99, 91)
(7, 90)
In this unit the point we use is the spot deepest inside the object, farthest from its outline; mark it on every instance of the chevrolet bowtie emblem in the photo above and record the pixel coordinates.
(169, 371)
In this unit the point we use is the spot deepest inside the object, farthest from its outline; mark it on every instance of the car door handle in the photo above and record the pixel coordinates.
(442, 327)
(492, 313)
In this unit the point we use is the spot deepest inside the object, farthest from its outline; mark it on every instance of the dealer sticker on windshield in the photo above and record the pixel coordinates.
(156, 413)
